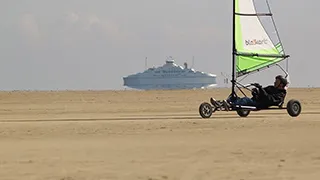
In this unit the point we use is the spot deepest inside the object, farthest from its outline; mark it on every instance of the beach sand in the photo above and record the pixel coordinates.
(153, 135)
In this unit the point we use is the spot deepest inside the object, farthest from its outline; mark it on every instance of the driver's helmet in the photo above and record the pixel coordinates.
(282, 79)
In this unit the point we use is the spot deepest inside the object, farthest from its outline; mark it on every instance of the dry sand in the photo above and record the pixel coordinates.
(153, 135)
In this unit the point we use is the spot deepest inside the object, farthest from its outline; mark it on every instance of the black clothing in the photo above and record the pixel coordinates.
(268, 96)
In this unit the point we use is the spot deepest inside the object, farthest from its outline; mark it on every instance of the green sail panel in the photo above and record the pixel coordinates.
(255, 48)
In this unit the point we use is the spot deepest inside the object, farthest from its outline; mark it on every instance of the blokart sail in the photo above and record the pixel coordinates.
(257, 43)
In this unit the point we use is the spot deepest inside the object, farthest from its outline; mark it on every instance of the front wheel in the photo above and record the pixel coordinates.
(294, 108)
(206, 110)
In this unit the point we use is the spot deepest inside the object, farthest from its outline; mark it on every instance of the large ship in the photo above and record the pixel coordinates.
(170, 76)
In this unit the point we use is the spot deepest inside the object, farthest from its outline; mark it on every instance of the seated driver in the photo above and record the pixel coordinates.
(265, 97)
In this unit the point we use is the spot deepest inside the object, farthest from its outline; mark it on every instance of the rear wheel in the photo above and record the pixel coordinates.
(206, 110)
(243, 112)
(294, 108)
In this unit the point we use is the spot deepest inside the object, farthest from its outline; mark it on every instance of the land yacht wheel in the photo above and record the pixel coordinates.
(294, 108)
(243, 113)
(206, 110)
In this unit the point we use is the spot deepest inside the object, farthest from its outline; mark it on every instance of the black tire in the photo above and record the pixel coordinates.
(243, 112)
(293, 108)
(206, 110)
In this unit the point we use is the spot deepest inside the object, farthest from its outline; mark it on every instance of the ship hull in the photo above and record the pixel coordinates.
(170, 83)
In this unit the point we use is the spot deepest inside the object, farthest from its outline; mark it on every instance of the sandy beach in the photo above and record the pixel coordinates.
(153, 135)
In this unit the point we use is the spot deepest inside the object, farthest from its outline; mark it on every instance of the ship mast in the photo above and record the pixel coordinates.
(192, 62)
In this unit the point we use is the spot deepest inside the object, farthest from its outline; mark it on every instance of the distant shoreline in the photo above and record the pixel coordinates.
(136, 90)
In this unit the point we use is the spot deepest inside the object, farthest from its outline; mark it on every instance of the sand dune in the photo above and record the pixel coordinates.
(80, 135)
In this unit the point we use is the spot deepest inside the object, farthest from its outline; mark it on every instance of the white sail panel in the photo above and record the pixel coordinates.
(254, 37)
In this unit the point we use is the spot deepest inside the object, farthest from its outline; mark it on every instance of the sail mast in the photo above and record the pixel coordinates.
(233, 50)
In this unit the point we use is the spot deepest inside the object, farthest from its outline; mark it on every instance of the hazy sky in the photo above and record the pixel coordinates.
(80, 44)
